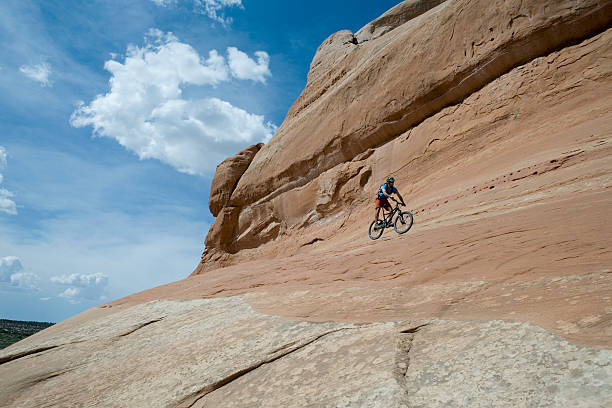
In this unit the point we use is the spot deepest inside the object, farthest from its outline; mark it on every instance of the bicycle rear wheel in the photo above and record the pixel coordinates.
(403, 222)
(376, 229)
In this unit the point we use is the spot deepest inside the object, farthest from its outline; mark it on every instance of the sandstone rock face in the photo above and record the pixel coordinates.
(496, 120)
(360, 96)
(227, 175)
(395, 17)
(376, 101)
(330, 53)
(198, 354)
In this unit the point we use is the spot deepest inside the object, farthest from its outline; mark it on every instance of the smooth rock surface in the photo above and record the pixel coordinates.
(219, 352)
(159, 354)
(496, 364)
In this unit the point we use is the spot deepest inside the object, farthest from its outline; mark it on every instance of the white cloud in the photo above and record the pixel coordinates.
(39, 73)
(7, 205)
(82, 286)
(214, 8)
(83, 281)
(145, 112)
(164, 3)
(243, 67)
(8, 266)
(25, 280)
(2, 158)
(12, 275)
(71, 295)
(211, 8)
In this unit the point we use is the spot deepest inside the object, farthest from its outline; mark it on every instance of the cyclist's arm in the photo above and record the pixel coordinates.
(401, 198)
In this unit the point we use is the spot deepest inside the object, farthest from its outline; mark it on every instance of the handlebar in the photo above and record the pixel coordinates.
(395, 200)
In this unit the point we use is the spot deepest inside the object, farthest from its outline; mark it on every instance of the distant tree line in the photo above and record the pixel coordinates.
(11, 331)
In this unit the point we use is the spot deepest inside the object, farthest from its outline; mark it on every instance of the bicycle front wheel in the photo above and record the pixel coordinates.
(376, 229)
(403, 222)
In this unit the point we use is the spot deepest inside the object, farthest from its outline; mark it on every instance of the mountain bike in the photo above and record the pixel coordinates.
(403, 221)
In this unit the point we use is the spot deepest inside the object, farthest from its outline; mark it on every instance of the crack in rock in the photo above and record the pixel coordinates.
(193, 398)
(17, 355)
(405, 338)
(140, 326)
(25, 353)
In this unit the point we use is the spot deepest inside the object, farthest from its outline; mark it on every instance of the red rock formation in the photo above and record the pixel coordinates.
(509, 190)
(510, 184)
(496, 120)
(361, 96)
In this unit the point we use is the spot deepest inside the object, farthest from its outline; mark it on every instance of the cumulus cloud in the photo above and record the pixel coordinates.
(25, 280)
(82, 286)
(84, 281)
(145, 110)
(39, 73)
(8, 266)
(7, 205)
(12, 275)
(71, 295)
(243, 67)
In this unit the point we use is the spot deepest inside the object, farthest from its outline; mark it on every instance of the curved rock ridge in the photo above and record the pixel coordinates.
(395, 17)
(337, 46)
(360, 97)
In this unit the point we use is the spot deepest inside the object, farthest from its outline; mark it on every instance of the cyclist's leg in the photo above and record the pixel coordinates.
(389, 209)
(386, 209)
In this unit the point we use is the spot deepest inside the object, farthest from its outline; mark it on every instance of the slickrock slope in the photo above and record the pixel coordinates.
(370, 93)
(221, 353)
(496, 120)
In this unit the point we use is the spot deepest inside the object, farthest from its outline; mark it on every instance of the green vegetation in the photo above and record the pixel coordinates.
(11, 331)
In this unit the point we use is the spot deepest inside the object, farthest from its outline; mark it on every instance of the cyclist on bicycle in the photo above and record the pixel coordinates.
(383, 194)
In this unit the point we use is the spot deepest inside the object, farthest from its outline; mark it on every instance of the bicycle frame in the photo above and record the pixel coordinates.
(388, 216)
(403, 221)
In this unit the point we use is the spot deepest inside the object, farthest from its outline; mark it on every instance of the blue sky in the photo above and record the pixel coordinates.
(113, 117)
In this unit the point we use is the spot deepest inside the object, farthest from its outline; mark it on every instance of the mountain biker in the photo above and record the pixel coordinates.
(383, 194)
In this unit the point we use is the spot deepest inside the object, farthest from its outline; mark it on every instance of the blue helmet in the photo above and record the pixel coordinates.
(390, 179)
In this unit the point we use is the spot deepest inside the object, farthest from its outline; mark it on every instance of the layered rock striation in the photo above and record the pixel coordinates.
(361, 95)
